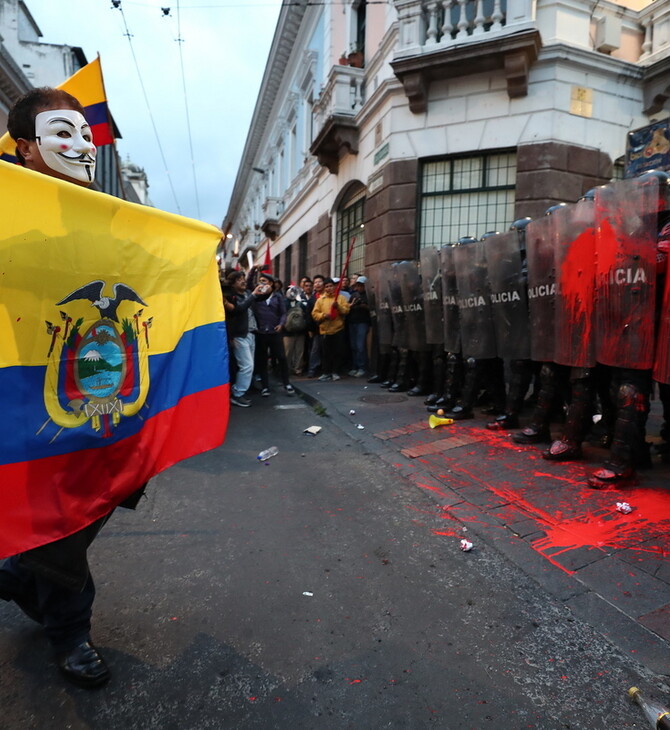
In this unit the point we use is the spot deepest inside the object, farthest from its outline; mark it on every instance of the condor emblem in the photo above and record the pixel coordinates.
(98, 366)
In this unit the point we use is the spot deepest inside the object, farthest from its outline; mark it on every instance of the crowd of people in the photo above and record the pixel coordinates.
(318, 328)
(567, 312)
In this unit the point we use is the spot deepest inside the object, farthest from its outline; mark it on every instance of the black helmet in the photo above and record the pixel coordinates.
(553, 208)
(489, 234)
(661, 176)
(520, 224)
(589, 195)
(463, 240)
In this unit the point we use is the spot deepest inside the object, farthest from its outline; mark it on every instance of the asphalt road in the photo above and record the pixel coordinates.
(312, 591)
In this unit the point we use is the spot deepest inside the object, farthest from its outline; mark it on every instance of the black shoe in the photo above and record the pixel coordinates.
(386, 384)
(240, 401)
(416, 390)
(397, 388)
(531, 435)
(84, 666)
(502, 423)
(562, 451)
(432, 398)
(459, 413)
(375, 379)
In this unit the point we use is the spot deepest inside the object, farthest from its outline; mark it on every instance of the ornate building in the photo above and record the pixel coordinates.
(426, 121)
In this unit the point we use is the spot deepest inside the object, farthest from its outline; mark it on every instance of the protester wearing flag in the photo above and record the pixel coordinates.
(112, 319)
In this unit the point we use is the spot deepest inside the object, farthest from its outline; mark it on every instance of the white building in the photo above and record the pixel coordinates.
(26, 62)
(465, 115)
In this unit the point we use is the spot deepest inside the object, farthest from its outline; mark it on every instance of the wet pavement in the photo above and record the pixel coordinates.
(610, 569)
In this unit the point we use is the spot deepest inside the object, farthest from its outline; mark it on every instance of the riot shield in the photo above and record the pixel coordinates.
(574, 342)
(662, 360)
(431, 283)
(383, 306)
(452, 328)
(474, 301)
(397, 312)
(509, 301)
(407, 273)
(626, 215)
(540, 246)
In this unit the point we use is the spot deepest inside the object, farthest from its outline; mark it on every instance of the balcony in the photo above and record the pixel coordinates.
(655, 57)
(334, 116)
(454, 38)
(272, 211)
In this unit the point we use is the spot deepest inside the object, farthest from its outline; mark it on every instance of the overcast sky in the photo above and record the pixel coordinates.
(225, 47)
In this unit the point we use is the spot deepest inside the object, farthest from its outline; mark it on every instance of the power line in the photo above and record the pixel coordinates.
(180, 41)
(128, 34)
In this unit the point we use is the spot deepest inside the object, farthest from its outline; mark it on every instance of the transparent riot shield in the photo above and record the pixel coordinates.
(474, 301)
(540, 247)
(626, 215)
(452, 328)
(431, 283)
(574, 312)
(382, 299)
(397, 312)
(407, 273)
(509, 301)
(662, 359)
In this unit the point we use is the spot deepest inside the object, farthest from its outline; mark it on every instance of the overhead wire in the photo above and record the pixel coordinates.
(180, 41)
(128, 34)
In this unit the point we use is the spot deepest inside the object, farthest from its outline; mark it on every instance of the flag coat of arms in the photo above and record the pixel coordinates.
(113, 356)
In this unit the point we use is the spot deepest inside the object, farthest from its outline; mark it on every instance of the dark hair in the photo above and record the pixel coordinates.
(21, 119)
(305, 278)
(234, 276)
(327, 280)
(320, 276)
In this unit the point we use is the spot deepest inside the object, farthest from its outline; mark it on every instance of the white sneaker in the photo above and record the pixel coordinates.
(352, 373)
(335, 376)
(359, 373)
(323, 378)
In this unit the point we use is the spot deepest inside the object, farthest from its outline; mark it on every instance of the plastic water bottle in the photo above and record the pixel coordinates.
(658, 716)
(268, 453)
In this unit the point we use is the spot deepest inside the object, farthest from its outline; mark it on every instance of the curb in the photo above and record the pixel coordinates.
(627, 634)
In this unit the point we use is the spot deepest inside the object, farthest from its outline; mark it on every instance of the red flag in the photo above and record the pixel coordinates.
(267, 264)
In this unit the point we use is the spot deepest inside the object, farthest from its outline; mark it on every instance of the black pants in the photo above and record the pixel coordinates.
(274, 343)
(64, 613)
(333, 351)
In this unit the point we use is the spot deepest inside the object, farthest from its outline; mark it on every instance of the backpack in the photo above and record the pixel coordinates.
(296, 321)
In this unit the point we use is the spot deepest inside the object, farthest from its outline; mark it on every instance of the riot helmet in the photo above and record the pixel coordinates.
(464, 240)
(489, 234)
(588, 195)
(520, 224)
(553, 208)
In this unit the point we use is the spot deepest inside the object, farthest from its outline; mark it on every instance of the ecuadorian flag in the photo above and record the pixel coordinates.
(88, 87)
(113, 358)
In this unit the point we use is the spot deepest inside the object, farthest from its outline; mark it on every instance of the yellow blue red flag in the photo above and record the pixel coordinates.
(87, 86)
(113, 356)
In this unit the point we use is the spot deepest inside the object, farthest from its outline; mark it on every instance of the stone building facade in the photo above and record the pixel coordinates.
(426, 121)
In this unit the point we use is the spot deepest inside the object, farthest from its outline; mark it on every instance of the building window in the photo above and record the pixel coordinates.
(466, 196)
(349, 221)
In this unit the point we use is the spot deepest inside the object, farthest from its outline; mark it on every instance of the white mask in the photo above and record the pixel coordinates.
(66, 143)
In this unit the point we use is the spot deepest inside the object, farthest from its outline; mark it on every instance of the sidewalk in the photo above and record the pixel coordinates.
(610, 569)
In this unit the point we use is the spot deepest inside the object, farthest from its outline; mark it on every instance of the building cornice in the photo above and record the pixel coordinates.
(282, 46)
(13, 82)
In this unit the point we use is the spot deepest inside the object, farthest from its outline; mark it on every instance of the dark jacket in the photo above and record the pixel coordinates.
(359, 312)
(237, 321)
(269, 312)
